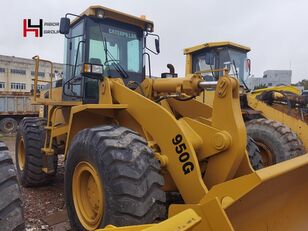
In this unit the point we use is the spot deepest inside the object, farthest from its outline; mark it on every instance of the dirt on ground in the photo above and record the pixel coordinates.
(44, 207)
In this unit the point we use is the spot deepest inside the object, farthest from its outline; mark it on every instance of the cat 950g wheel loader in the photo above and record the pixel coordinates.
(141, 152)
(269, 128)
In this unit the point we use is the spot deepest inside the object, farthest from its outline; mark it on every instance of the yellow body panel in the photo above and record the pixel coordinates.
(185, 220)
(116, 15)
(206, 97)
(292, 89)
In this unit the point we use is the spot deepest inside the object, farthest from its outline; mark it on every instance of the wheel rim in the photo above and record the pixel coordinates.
(9, 126)
(88, 195)
(21, 154)
(266, 154)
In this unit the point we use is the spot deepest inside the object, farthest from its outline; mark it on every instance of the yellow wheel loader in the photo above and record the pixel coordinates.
(141, 153)
(286, 105)
(267, 127)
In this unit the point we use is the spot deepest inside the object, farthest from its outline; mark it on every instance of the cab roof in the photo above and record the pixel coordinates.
(117, 15)
(215, 44)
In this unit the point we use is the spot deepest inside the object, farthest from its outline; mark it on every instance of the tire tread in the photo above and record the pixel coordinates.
(134, 177)
(11, 212)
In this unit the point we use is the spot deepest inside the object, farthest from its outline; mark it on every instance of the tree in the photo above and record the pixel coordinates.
(303, 83)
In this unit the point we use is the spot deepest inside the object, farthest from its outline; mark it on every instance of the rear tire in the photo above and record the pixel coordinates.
(8, 125)
(11, 212)
(30, 139)
(276, 141)
(128, 174)
(254, 154)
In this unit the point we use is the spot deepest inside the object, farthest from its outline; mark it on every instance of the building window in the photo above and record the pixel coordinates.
(2, 85)
(2, 70)
(18, 86)
(39, 86)
(40, 74)
(264, 76)
(270, 84)
(18, 71)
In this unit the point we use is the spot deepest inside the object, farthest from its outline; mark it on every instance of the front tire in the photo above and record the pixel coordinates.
(122, 177)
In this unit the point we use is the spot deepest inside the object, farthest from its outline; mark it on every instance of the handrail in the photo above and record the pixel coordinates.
(36, 80)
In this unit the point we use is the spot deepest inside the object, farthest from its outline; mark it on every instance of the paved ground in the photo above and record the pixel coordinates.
(44, 206)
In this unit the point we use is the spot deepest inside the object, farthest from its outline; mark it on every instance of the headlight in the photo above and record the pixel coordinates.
(97, 69)
(93, 70)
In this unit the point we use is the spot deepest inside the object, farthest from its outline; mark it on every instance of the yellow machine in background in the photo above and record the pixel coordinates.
(269, 128)
(141, 152)
(284, 104)
(210, 60)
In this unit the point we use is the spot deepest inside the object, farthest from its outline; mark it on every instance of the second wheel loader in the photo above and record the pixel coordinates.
(141, 153)
(267, 127)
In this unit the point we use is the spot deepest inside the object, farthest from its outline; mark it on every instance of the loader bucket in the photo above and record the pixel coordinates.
(272, 199)
(278, 201)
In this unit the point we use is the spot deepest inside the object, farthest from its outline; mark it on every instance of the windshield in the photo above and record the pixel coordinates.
(208, 60)
(114, 44)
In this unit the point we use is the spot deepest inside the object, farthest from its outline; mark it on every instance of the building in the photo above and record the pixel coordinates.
(16, 74)
(271, 78)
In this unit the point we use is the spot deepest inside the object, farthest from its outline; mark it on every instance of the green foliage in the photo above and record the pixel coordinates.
(303, 83)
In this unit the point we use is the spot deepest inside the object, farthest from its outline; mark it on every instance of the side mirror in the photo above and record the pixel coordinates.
(157, 46)
(65, 25)
(155, 50)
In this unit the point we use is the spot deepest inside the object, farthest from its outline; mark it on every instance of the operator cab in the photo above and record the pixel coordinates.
(210, 59)
(102, 43)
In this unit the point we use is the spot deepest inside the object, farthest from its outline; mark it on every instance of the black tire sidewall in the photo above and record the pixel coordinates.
(23, 132)
(14, 217)
(21, 173)
(4, 121)
(123, 161)
(254, 154)
(89, 154)
(274, 135)
(272, 142)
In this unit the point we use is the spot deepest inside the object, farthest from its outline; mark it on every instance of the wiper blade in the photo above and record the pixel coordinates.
(120, 69)
(116, 65)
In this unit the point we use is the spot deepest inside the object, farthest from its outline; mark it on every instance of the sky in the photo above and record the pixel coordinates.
(275, 30)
